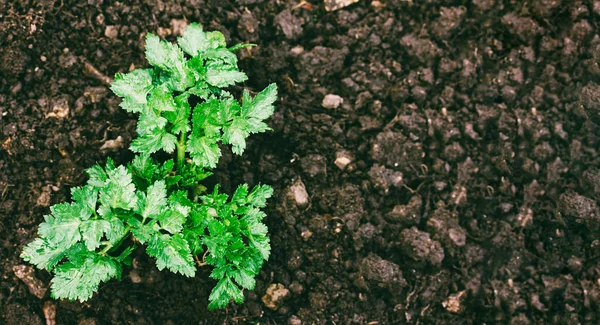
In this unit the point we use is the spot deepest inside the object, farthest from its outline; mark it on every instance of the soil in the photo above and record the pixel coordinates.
(454, 179)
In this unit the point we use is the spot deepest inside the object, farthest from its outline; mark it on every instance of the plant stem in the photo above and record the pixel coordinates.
(181, 152)
(110, 245)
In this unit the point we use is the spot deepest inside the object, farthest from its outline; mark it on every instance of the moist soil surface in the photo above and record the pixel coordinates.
(453, 181)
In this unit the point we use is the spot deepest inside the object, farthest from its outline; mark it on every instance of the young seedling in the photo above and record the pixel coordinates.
(159, 205)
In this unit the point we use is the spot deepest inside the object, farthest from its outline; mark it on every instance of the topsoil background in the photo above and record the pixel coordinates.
(457, 183)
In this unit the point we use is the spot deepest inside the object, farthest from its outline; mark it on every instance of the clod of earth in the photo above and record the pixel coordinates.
(275, 296)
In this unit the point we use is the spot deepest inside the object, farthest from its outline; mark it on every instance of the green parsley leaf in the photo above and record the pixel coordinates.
(180, 118)
(61, 229)
(142, 232)
(77, 280)
(98, 176)
(86, 198)
(259, 195)
(154, 141)
(220, 78)
(119, 191)
(170, 59)
(173, 253)
(154, 202)
(133, 88)
(224, 291)
(42, 254)
(194, 40)
(261, 106)
(92, 231)
(235, 134)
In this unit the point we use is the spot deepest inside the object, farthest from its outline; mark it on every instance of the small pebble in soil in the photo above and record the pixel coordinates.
(342, 159)
(178, 26)
(44, 199)
(50, 312)
(60, 108)
(298, 194)
(27, 275)
(294, 320)
(135, 277)
(332, 101)
(112, 145)
(111, 31)
(444, 227)
(275, 296)
(332, 5)
(454, 303)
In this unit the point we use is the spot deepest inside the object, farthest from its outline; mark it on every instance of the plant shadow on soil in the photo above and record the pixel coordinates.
(456, 183)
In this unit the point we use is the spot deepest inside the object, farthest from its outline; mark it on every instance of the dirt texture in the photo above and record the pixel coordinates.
(434, 162)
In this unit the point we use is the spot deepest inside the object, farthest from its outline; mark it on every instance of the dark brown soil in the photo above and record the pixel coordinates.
(457, 183)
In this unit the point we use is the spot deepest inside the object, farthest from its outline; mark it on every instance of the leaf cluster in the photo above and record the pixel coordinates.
(200, 66)
(157, 205)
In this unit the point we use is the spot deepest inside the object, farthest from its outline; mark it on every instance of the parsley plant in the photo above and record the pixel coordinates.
(160, 205)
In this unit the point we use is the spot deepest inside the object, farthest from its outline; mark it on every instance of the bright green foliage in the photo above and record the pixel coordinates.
(237, 241)
(163, 206)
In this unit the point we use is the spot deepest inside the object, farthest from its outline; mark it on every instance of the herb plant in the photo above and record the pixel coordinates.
(162, 205)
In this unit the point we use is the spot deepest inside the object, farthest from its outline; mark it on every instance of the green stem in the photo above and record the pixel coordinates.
(181, 152)
(110, 245)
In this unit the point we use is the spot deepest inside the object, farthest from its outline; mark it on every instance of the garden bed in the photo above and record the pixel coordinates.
(434, 162)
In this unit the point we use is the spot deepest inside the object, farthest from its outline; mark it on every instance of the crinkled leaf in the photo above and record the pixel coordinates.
(162, 54)
(119, 191)
(149, 122)
(92, 232)
(133, 88)
(61, 229)
(116, 230)
(244, 278)
(153, 142)
(98, 176)
(204, 151)
(240, 194)
(223, 292)
(180, 118)
(263, 246)
(142, 232)
(261, 106)
(206, 119)
(144, 166)
(173, 253)
(259, 195)
(155, 201)
(78, 281)
(42, 255)
(235, 134)
(86, 198)
(259, 229)
(173, 219)
(221, 78)
(194, 40)
(161, 100)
